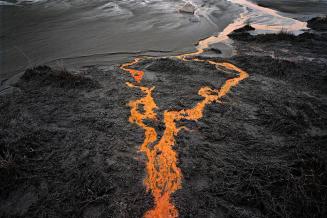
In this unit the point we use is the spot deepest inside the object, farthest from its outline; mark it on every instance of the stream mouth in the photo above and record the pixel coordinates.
(163, 176)
(169, 99)
(81, 33)
(70, 33)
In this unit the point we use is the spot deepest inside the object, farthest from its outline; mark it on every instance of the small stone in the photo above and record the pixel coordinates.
(187, 8)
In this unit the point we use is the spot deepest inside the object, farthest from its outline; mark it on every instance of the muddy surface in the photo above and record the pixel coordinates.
(68, 150)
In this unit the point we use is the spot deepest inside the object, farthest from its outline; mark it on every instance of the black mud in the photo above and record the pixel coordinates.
(68, 149)
(318, 23)
(45, 76)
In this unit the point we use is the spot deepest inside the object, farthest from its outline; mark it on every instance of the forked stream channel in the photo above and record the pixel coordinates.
(163, 175)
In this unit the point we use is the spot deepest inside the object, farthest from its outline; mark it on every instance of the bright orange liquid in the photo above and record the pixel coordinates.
(163, 175)
(136, 74)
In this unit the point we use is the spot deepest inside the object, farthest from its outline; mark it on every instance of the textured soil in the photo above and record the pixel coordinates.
(68, 150)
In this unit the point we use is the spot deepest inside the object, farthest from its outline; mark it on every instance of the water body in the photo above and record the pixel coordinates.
(44, 31)
(75, 33)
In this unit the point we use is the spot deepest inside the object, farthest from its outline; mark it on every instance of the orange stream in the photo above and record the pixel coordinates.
(136, 74)
(163, 175)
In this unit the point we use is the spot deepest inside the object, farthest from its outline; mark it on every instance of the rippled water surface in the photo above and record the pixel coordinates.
(49, 30)
(74, 33)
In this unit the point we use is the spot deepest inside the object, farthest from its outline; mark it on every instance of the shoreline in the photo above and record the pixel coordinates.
(267, 135)
(75, 60)
(97, 142)
(79, 32)
(219, 44)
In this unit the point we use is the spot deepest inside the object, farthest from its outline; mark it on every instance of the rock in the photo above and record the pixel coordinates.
(46, 76)
(194, 19)
(242, 33)
(245, 28)
(214, 49)
(318, 23)
(187, 8)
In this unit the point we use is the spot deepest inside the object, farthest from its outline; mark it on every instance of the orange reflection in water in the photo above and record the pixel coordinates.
(221, 37)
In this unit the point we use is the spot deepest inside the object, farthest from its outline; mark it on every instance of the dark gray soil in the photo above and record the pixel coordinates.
(68, 150)
(318, 23)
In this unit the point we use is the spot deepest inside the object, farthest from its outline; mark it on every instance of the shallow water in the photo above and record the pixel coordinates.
(83, 32)
(75, 33)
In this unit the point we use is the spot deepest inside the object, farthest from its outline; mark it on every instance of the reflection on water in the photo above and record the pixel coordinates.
(44, 31)
(269, 20)
(264, 20)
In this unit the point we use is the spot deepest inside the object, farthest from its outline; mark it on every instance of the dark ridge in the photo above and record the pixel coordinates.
(213, 49)
(313, 76)
(281, 36)
(304, 39)
(245, 28)
(242, 33)
(46, 76)
(318, 23)
(168, 65)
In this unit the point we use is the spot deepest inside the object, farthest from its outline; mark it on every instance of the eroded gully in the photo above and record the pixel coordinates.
(163, 176)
